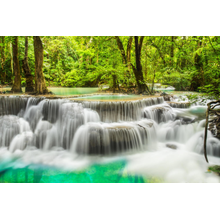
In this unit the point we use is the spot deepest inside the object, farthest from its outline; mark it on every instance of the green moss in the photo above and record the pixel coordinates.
(215, 169)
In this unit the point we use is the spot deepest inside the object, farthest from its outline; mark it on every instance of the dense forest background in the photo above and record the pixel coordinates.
(185, 62)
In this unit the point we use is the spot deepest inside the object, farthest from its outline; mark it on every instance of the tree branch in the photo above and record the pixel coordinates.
(121, 48)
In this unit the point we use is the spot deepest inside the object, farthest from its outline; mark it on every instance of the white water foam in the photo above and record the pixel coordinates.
(164, 142)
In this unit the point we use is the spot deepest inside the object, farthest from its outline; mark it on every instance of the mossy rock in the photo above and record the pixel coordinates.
(215, 169)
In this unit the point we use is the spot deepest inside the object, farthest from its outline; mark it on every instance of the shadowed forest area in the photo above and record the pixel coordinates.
(188, 63)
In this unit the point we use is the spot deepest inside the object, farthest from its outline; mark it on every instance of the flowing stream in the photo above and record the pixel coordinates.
(155, 138)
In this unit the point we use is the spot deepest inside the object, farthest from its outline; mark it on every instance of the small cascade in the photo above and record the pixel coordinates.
(10, 126)
(63, 119)
(105, 138)
(159, 113)
(13, 105)
(179, 104)
(121, 111)
(21, 141)
(177, 131)
(195, 143)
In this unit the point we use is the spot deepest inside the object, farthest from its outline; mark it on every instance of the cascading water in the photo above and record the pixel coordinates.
(55, 123)
(105, 138)
(149, 126)
(122, 111)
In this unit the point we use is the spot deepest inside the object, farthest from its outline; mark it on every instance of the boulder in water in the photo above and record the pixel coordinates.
(171, 146)
(179, 104)
(166, 97)
(145, 93)
(186, 120)
(163, 93)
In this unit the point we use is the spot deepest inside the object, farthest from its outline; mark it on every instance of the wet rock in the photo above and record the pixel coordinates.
(172, 146)
(166, 97)
(179, 104)
(159, 114)
(186, 120)
(163, 93)
(145, 93)
(9, 91)
(214, 126)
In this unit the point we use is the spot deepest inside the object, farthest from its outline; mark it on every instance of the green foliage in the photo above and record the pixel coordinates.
(186, 63)
(215, 169)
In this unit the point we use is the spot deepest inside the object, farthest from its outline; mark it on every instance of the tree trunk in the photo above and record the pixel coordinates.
(183, 63)
(27, 72)
(114, 83)
(171, 50)
(142, 87)
(11, 54)
(198, 78)
(198, 62)
(3, 72)
(40, 85)
(121, 48)
(17, 80)
(126, 58)
(140, 45)
(129, 53)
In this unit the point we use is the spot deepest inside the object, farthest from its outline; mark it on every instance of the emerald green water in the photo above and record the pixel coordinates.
(97, 173)
(73, 91)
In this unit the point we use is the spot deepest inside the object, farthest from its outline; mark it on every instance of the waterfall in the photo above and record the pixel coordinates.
(12, 105)
(11, 126)
(105, 138)
(99, 127)
(122, 111)
(159, 113)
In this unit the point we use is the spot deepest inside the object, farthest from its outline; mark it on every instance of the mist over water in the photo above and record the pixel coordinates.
(156, 138)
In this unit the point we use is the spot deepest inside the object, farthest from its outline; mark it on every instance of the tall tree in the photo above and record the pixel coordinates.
(142, 87)
(17, 80)
(172, 50)
(29, 78)
(198, 77)
(129, 52)
(40, 85)
(121, 48)
(126, 57)
(183, 60)
(2, 51)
